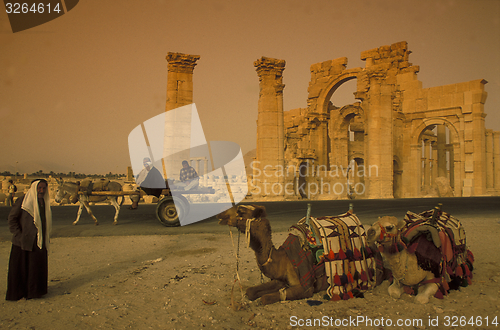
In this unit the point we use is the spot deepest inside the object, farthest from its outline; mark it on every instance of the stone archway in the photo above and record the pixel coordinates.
(436, 151)
(344, 145)
(320, 102)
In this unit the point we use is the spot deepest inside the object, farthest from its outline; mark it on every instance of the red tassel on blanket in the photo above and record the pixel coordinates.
(336, 297)
(331, 255)
(350, 294)
(349, 278)
(346, 296)
(364, 276)
(341, 254)
(357, 254)
(336, 280)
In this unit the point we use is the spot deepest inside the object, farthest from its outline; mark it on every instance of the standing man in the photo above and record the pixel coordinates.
(10, 194)
(30, 222)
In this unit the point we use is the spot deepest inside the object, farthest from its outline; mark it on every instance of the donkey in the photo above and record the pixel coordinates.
(72, 188)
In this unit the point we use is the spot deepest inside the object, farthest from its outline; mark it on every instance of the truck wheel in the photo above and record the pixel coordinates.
(170, 209)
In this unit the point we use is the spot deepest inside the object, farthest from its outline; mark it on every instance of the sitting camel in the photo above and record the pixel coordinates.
(285, 282)
(420, 255)
(327, 253)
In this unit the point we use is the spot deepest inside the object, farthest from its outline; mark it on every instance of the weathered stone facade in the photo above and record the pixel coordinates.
(400, 140)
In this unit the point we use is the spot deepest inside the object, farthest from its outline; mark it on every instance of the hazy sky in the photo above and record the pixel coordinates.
(72, 89)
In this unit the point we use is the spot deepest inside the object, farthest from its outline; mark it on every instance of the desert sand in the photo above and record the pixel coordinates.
(188, 281)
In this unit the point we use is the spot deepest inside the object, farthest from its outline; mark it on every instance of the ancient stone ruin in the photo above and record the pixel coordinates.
(399, 141)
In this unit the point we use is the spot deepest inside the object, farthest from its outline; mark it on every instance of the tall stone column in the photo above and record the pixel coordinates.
(415, 167)
(441, 150)
(379, 147)
(474, 139)
(490, 178)
(179, 93)
(434, 162)
(180, 79)
(496, 160)
(270, 128)
(427, 163)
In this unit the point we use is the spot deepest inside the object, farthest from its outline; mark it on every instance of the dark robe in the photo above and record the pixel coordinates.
(154, 183)
(28, 270)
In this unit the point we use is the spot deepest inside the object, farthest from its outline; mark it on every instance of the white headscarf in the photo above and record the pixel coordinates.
(30, 205)
(144, 172)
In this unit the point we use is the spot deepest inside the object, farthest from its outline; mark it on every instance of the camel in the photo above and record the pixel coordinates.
(428, 268)
(273, 263)
(403, 264)
(326, 253)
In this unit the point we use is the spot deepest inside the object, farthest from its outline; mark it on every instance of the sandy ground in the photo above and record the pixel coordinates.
(185, 282)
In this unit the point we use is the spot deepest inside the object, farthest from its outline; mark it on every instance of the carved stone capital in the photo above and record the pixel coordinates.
(267, 66)
(182, 63)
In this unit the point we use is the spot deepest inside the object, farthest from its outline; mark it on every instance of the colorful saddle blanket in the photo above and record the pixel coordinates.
(440, 246)
(311, 273)
(339, 242)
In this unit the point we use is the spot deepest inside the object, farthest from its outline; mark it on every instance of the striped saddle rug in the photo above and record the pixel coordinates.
(439, 242)
(339, 242)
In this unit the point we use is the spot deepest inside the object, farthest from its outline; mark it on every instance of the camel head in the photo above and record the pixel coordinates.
(231, 216)
(384, 230)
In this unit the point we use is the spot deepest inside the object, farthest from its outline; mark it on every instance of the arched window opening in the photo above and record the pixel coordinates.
(436, 156)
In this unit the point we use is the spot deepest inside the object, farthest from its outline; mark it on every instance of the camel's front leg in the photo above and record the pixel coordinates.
(395, 290)
(114, 202)
(258, 291)
(291, 293)
(426, 291)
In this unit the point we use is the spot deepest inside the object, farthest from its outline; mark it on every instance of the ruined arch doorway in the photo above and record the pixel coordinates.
(437, 149)
(343, 93)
